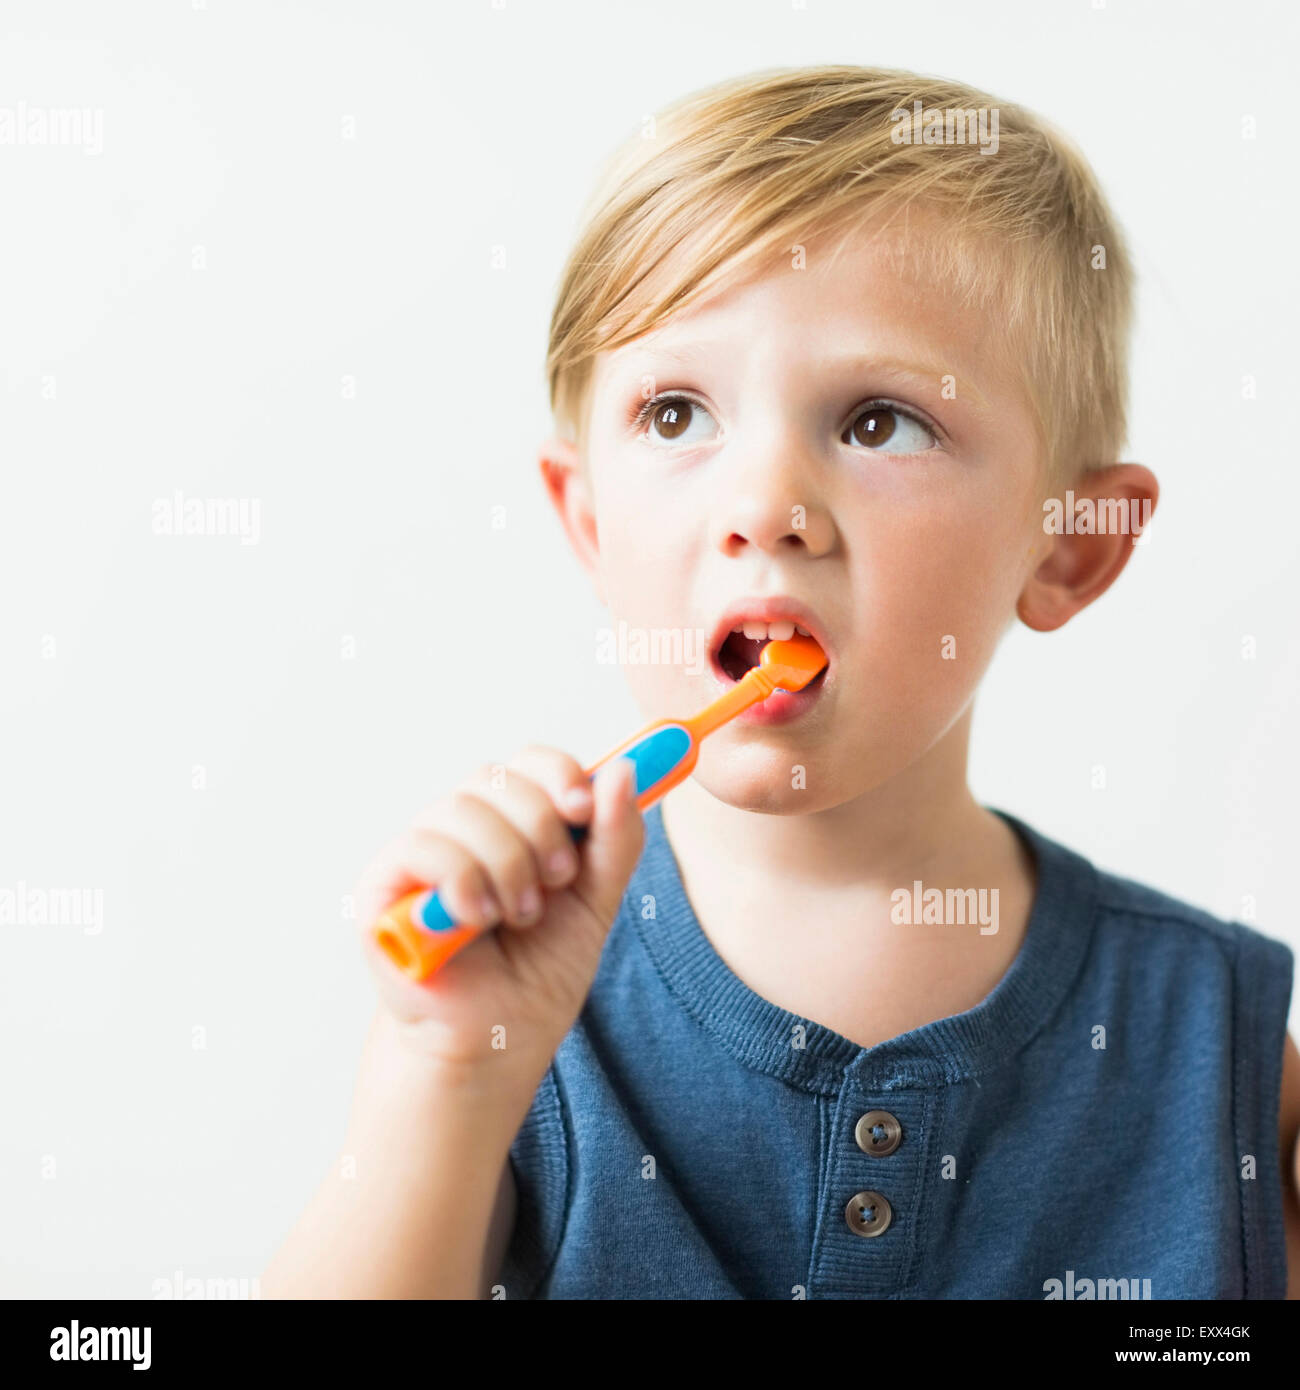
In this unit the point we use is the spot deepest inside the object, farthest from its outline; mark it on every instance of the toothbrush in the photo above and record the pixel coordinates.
(419, 935)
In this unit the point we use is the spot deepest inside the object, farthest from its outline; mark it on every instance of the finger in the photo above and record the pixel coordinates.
(564, 778)
(423, 859)
(502, 851)
(529, 807)
(615, 842)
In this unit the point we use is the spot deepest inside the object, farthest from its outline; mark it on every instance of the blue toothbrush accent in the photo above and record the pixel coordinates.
(654, 758)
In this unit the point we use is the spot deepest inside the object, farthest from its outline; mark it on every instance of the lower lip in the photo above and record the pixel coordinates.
(781, 706)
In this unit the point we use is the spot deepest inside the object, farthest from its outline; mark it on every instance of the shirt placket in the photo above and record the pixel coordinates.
(874, 1169)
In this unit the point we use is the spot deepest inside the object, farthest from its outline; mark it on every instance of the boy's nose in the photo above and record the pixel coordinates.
(774, 509)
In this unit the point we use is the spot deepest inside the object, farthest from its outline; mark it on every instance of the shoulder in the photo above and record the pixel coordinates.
(1257, 972)
(1132, 915)
(1191, 948)
(1227, 973)
(1128, 906)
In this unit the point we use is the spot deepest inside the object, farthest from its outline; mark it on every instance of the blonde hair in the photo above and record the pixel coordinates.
(732, 177)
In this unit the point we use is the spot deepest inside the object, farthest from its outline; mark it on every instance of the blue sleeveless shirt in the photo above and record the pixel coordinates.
(1104, 1124)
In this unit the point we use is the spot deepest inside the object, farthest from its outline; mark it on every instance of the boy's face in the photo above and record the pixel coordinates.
(845, 440)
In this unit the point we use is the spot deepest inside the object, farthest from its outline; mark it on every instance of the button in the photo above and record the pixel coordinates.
(868, 1214)
(878, 1133)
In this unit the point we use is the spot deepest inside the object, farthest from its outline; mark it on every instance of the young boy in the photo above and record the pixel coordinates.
(820, 1025)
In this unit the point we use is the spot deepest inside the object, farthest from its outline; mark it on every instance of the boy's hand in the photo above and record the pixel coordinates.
(498, 850)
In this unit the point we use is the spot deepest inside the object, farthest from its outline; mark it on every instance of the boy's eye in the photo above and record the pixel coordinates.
(677, 420)
(889, 430)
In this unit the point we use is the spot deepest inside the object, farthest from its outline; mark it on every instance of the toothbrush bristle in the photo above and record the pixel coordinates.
(793, 663)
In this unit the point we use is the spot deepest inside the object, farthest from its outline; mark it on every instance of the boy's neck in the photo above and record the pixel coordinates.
(922, 820)
(831, 877)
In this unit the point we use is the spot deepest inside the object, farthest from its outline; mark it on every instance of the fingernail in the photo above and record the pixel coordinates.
(530, 904)
(487, 906)
(559, 864)
(577, 799)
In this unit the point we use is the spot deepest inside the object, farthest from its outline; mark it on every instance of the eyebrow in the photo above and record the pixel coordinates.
(688, 354)
(696, 355)
(925, 371)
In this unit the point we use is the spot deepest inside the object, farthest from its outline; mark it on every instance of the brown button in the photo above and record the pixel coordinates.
(868, 1214)
(878, 1133)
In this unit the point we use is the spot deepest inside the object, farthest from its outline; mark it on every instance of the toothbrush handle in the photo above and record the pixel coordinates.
(419, 935)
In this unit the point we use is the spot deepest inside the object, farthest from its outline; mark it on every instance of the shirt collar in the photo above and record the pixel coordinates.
(811, 1056)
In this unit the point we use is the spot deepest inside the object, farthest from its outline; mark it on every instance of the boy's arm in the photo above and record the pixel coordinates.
(1289, 1128)
(420, 1201)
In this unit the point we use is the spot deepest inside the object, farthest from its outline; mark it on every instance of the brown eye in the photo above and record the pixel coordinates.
(872, 428)
(679, 421)
(890, 431)
(672, 419)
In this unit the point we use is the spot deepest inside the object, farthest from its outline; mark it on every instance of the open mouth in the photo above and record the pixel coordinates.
(741, 648)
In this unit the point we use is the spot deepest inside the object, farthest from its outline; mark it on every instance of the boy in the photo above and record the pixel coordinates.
(820, 357)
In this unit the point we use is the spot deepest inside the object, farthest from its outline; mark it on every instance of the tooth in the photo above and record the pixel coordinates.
(740, 627)
(755, 630)
(782, 631)
(802, 631)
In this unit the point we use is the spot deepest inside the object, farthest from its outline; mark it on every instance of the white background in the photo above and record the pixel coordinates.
(370, 258)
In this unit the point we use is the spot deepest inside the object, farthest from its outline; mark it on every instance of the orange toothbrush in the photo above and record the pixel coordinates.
(418, 934)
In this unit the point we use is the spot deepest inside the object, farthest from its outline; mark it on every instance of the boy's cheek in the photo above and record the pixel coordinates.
(962, 567)
(927, 635)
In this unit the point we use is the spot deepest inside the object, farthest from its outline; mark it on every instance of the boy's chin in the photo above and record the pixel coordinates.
(768, 795)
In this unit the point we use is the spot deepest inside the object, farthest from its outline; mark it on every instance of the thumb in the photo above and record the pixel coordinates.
(614, 840)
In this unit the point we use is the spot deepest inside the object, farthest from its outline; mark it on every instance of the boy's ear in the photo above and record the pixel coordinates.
(566, 486)
(1119, 502)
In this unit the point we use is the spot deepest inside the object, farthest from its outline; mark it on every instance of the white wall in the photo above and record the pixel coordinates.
(223, 140)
